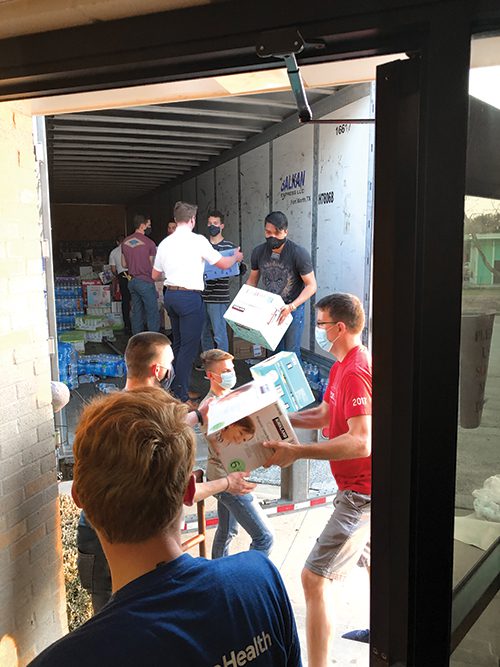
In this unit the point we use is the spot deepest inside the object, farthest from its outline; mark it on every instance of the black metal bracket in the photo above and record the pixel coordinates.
(285, 44)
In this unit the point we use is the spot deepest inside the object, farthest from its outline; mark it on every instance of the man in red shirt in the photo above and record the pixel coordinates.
(346, 414)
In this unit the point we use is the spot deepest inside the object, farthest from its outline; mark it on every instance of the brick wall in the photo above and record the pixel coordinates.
(32, 609)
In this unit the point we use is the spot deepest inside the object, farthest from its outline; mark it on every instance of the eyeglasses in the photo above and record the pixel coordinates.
(319, 323)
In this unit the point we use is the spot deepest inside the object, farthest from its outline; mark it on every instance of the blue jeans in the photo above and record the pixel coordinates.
(144, 306)
(215, 322)
(246, 511)
(187, 314)
(291, 340)
(93, 568)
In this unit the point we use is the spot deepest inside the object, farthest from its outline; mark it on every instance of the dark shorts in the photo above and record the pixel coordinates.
(345, 540)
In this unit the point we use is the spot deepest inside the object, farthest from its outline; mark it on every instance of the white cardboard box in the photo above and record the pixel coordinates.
(253, 315)
(240, 421)
(99, 295)
(285, 371)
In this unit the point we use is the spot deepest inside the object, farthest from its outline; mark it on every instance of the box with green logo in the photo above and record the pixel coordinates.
(241, 420)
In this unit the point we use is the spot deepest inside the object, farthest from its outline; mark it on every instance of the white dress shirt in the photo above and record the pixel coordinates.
(181, 257)
(115, 259)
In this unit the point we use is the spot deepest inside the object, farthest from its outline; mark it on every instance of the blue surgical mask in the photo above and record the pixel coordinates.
(227, 379)
(321, 336)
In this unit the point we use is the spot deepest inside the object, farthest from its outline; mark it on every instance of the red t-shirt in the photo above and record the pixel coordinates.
(349, 394)
(137, 249)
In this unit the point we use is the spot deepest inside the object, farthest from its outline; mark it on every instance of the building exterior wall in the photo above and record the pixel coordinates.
(32, 601)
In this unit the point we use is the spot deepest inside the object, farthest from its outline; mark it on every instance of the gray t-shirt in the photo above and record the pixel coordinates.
(280, 273)
(215, 469)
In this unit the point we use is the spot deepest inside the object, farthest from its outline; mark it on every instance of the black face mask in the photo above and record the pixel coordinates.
(148, 231)
(213, 230)
(274, 243)
(166, 383)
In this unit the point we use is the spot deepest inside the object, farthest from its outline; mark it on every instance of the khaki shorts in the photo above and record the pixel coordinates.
(345, 540)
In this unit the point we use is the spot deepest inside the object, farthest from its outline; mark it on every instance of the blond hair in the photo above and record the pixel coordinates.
(134, 455)
(142, 351)
(211, 357)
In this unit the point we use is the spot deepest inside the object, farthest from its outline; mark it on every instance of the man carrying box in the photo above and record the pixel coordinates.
(134, 455)
(346, 412)
(232, 508)
(284, 268)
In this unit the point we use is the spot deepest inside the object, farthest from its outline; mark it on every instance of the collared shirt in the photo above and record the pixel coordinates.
(115, 259)
(181, 257)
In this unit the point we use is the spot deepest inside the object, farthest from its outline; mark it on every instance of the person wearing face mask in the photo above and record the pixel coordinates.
(232, 509)
(181, 261)
(346, 412)
(216, 292)
(149, 360)
(138, 253)
(284, 268)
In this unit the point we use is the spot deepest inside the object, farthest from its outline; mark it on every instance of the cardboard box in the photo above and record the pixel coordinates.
(212, 272)
(285, 371)
(243, 349)
(86, 283)
(86, 272)
(253, 315)
(240, 421)
(99, 295)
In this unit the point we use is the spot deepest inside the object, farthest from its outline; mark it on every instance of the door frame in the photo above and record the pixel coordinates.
(417, 319)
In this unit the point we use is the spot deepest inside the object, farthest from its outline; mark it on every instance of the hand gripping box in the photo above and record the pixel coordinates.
(253, 315)
(285, 371)
(240, 421)
(213, 272)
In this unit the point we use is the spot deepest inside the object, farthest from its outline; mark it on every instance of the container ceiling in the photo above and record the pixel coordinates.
(115, 156)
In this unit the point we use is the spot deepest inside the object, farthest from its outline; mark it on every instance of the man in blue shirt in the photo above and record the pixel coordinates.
(134, 455)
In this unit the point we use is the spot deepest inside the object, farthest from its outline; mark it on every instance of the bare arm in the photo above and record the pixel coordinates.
(156, 275)
(234, 483)
(124, 262)
(354, 444)
(227, 262)
(313, 418)
(253, 278)
(308, 290)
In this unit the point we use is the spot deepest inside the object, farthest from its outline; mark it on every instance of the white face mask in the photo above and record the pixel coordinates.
(227, 379)
(321, 336)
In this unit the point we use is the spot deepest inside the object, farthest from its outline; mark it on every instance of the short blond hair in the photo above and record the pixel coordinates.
(211, 357)
(134, 454)
(183, 212)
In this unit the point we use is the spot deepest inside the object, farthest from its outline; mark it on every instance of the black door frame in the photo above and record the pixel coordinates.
(418, 244)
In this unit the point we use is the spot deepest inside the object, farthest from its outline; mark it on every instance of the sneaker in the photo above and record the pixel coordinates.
(362, 636)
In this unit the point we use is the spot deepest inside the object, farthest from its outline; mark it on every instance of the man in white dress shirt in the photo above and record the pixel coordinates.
(181, 259)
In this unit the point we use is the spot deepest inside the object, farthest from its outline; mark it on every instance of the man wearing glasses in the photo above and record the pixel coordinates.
(346, 413)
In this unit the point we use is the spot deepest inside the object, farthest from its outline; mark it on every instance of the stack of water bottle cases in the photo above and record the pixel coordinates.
(317, 382)
(74, 331)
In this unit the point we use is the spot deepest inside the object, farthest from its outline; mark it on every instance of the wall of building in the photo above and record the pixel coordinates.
(32, 604)
(321, 176)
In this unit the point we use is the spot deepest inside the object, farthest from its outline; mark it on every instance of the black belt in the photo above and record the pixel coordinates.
(184, 289)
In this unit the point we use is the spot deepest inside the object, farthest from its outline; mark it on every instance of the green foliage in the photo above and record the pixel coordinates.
(78, 603)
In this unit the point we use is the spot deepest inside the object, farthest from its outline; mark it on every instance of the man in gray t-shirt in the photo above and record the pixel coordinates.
(284, 268)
